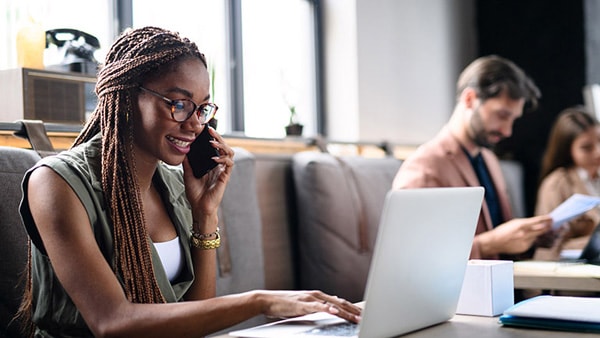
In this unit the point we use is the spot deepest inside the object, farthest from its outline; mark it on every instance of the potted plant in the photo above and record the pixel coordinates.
(293, 128)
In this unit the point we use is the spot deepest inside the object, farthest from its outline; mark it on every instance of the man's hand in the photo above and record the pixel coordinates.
(513, 237)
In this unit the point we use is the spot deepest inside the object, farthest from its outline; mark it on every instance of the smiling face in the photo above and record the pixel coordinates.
(156, 135)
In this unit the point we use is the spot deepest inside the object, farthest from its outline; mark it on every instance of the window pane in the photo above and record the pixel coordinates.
(278, 50)
(92, 16)
(279, 65)
(203, 22)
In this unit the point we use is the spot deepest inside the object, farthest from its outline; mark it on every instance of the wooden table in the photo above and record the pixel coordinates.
(565, 276)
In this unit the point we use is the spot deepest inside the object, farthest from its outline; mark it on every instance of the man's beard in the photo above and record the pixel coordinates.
(478, 133)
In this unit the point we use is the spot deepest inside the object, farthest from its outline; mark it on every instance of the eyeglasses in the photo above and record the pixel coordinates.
(183, 109)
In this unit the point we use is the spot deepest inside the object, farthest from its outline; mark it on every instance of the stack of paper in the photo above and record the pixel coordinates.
(574, 206)
(581, 314)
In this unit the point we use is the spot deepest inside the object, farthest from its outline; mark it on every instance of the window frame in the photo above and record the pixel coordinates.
(124, 18)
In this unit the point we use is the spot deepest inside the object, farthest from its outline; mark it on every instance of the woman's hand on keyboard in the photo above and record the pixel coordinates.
(297, 303)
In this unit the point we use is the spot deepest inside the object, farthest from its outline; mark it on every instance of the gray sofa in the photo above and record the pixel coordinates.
(313, 206)
(13, 251)
(339, 200)
(301, 221)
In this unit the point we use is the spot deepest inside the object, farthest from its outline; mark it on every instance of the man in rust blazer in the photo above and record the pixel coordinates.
(491, 95)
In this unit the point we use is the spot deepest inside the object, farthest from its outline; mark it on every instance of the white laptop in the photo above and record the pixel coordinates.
(416, 273)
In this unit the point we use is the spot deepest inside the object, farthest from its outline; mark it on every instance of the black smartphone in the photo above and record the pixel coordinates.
(201, 154)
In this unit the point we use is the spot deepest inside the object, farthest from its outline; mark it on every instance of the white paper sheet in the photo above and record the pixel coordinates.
(574, 206)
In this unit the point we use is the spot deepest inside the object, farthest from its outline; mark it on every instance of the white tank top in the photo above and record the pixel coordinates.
(170, 254)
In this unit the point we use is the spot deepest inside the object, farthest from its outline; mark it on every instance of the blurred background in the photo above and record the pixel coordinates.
(349, 70)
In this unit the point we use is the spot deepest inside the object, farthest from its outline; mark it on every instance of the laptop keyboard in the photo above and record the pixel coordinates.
(345, 329)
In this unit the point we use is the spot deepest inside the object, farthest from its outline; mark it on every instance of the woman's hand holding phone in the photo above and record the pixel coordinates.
(201, 154)
(207, 170)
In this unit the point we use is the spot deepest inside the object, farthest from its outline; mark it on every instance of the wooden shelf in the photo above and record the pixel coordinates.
(63, 136)
(59, 140)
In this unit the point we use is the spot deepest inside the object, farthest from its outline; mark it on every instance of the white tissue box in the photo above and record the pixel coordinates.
(488, 288)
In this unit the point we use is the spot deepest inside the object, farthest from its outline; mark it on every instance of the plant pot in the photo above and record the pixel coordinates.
(294, 129)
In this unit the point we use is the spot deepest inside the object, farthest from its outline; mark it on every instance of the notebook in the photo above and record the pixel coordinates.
(417, 269)
(581, 314)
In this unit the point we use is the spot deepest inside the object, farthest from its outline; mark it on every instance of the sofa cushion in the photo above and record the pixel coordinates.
(240, 257)
(13, 250)
(276, 200)
(339, 203)
(242, 230)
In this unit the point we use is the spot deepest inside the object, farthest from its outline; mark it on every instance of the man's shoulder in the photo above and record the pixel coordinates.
(431, 165)
(437, 149)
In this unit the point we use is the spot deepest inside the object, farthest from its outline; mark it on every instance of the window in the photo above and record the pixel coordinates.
(279, 65)
(273, 70)
(278, 57)
(205, 23)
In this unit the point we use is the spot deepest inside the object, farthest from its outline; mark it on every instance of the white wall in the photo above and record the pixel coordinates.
(391, 66)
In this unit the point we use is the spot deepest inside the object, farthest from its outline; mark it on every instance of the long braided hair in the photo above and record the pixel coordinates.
(134, 56)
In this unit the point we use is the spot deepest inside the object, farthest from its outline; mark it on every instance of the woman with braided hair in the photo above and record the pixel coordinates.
(122, 239)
